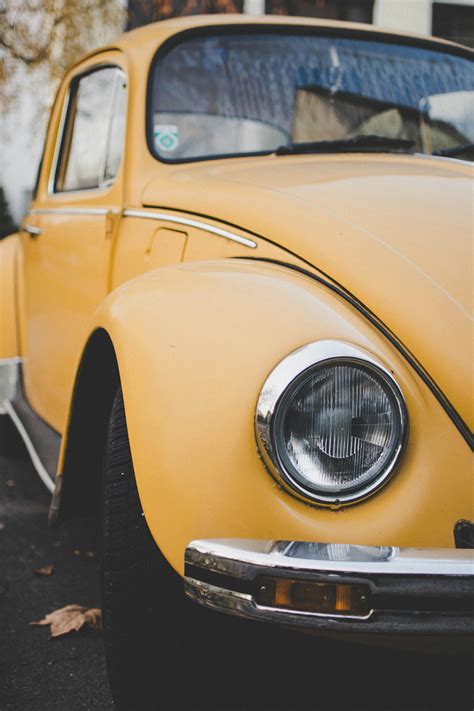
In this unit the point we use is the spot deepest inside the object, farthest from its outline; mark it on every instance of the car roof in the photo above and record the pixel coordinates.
(147, 39)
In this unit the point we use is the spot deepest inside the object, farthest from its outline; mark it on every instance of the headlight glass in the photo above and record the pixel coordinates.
(337, 430)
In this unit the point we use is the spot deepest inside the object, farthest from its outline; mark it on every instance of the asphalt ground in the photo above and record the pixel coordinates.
(67, 674)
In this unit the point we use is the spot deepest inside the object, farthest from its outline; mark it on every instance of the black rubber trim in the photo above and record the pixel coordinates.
(423, 603)
(464, 534)
(417, 367)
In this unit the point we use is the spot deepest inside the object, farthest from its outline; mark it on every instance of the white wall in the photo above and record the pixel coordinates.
(408, 15)
(254, 7)
(21, 141)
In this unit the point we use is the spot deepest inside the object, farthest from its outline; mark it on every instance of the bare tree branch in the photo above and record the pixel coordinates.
(51, 34)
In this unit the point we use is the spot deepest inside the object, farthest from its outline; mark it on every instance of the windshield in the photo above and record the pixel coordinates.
(229, 94)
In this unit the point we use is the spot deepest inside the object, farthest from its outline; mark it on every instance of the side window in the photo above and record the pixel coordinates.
(93, 134)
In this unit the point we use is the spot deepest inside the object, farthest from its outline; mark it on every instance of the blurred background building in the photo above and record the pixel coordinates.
(38, 42)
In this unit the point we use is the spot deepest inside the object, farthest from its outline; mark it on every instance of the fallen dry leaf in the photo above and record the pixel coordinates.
(71, 618)
(45, 570)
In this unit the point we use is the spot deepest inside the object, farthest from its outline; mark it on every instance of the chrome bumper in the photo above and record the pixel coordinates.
(411, 591)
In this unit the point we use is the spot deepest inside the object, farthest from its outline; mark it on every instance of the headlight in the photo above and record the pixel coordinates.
(331, 423)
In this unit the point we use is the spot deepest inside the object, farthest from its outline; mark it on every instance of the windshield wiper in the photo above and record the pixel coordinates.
(356, 144)
(467, 149)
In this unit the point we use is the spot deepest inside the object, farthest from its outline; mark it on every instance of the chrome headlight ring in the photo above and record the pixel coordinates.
(331, 423)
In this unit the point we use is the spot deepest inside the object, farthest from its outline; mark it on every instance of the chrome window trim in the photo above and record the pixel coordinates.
(120, 76)
(276, 385)
(95, 191)
(103, 185)
(102, 181)
(163, 217)
(59, 140)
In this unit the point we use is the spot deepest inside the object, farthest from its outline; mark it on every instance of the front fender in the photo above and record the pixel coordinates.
(194, 344)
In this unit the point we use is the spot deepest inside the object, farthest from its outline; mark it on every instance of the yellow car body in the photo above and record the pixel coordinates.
(198, 279)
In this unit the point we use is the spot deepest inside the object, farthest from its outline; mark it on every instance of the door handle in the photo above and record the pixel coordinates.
(32, 231)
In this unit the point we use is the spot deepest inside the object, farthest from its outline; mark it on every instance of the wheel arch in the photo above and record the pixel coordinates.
(79, 481)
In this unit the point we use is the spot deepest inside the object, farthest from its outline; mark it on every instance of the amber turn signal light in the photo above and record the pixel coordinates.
(326, 598)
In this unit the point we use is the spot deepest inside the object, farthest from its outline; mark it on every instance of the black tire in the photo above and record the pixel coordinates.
(154, 637)
(131, 564)
(164, 652)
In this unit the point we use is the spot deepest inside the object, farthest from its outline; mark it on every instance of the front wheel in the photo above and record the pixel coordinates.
(162, 651)
(142, 597)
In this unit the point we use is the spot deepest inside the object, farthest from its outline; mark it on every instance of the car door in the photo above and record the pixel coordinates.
(67, 253)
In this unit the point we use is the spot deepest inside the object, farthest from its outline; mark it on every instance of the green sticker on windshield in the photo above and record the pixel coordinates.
(166, 137)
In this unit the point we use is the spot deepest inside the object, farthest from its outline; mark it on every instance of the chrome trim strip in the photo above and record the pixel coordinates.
(71, 210)
(43, 474)
(59, 140)
(236, 556)
(32, 231)
(277, 383)
(9, 380)
(164, 217)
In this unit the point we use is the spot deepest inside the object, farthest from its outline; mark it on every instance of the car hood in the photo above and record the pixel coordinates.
(395, 231)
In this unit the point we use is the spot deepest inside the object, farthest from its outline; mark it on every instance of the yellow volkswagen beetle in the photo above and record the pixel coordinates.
(236, 329)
